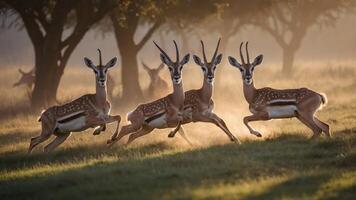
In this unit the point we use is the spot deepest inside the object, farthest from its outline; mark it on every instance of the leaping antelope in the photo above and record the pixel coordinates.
(267, 103)
(88, 111)
(163, 113)
(28, 79)
(198, 104)
(157, 86)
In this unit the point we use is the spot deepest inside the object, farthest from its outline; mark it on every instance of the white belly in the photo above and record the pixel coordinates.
(160, 122)
(77, 124)
(281, 111)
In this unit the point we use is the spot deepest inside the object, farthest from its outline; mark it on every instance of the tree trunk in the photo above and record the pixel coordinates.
(185, 41)
(288, 60)
(131, 90)
(50, 65)
(45, 76)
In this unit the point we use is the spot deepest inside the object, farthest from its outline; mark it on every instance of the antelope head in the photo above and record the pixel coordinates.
(209, 67)
(153, 73)
(26, 78)
(246, 69)
(100, 70)
(175, 68)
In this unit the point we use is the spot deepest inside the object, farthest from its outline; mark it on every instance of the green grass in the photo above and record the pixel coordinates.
(285, 167)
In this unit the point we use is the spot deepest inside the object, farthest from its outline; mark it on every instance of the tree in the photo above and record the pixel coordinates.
(126, 20)
(47, 23)
(289, 21)
(224, 17)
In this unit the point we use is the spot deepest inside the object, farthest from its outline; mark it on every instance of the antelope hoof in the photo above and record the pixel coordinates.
(314, 137)
(234, 139)
(29, 152)
(110, 141)
(256, 134)
(96, 132)
(171, 134)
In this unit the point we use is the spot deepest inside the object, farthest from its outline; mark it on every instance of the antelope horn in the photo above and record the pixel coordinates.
(202, 46)
(100, 61)
(216, 50)
(248, 57)
(177, 51)
(241, 56)
(161, 50)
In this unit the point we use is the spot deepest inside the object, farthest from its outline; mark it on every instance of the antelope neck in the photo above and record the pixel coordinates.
(100, 95)
(178, 94)
(206, 90)
(249, 91)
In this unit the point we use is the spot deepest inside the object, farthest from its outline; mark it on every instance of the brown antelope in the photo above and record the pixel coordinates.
(267, 103)
(198, 104)
(28, 79)
(157, 86)
(163, 113)
(88, 111)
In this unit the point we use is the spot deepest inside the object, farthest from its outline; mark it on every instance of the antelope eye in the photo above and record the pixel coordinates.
(180, 68)
(203, 69)
(170, 69)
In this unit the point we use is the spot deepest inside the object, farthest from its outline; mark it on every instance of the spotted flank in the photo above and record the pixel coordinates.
(267, 96)
(86, 102)
(153, 108)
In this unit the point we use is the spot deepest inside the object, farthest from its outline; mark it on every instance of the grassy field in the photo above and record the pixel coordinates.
(284, 164)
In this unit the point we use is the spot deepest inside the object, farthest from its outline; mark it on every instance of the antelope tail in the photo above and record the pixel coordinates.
(324, 100)
(40, 117)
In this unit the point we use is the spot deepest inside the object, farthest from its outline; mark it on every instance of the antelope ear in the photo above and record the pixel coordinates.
(185, 59)
(197, 60)
(111, 63)
(234, 62)
(21, 72)
(160, 67)
(145, 67)
(165, 60)
(218, 59)
(258, 60)
(89, 63)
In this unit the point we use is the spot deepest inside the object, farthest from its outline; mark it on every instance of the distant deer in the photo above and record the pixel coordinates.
(198, 104)
(88, 111)
(165, 112)
(158, 86)
(28, 79)
(267, 103)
